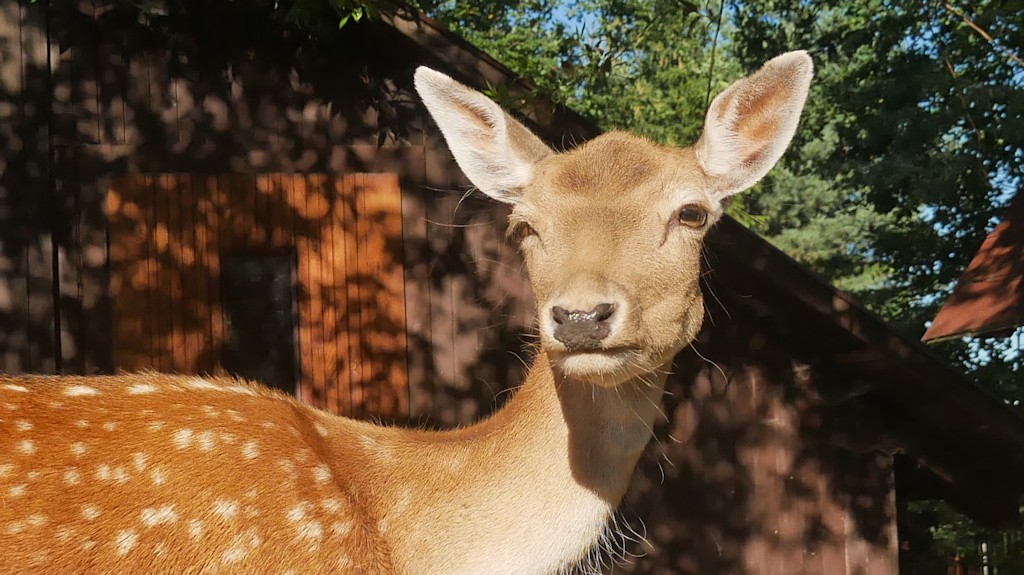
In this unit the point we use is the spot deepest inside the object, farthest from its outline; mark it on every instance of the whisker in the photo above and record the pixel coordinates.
(715, 365)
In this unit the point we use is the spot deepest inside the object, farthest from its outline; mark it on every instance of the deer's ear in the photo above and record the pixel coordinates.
(750, 124)
(496, 152)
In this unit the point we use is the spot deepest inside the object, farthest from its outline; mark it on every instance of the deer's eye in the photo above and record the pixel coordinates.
(693, 216)
(521, 231)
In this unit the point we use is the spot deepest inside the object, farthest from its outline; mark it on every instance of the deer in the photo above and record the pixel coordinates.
(150, 472)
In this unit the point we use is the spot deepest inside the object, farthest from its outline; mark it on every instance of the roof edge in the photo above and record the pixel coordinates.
(480, 70)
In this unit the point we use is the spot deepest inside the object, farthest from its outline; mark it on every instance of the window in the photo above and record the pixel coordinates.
(258, 297)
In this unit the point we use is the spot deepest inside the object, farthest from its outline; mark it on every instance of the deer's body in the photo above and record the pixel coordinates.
(156, 473)
(180, 472)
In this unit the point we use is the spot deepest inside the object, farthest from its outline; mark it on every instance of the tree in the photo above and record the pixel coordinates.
(911, 143)
(621, 62)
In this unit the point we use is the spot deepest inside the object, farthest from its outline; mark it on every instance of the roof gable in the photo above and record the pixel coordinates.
(990, 295)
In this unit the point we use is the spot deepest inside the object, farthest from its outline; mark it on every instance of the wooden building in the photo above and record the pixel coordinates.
(204, 189)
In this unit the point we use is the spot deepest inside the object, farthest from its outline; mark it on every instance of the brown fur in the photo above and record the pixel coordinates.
(98, 465)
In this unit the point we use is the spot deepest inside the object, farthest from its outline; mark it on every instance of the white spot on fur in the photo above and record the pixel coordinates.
(72, 476)
(240, 547)
(200, 383)
(155, 426)
(157, 475)
(206, 441)
(151, 517)
(15, 527)
(109, 426)
(210, 411)
(268, 425)
(311, 530)
(225, 509)
(139, 460)
(320, 429)
(18, 388)
(33, 475)
(17, 490)
(90, 512)
(10, 406)
(160, 549)
(6, 469)
(120, 475)
(331, 505)
(80, 390)
(141, 389)
(82, 424)
(228, 438)
(322, 473)
(235, 416)
(250, 449)
(381, 452)
(40, 557)
(37, 520)
(22, 425)
(103, 472)
(195, 528)
(182, 438)
(78, 449)
(287, 466)
(26, 447)
(64, 533)
(125, 541)
(341, 528)
(298, 513)
(88, 545)
(403, 501)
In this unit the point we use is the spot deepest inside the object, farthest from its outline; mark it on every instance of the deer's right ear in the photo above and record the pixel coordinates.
(496, 152)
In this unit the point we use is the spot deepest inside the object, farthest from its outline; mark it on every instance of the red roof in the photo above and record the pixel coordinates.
(990, 295)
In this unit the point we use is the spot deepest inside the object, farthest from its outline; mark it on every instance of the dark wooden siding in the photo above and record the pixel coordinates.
(28, 339)
(168, 233)
(747, 474)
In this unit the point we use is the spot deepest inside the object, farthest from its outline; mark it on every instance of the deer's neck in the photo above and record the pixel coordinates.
(536, 483)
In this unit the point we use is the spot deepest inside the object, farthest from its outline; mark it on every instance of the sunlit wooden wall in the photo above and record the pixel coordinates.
(169, 232)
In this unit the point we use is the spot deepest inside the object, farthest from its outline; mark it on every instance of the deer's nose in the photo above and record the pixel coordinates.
(582, 330)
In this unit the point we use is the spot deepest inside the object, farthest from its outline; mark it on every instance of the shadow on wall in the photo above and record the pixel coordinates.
(216, 88)
(27, 338)
(744, 477)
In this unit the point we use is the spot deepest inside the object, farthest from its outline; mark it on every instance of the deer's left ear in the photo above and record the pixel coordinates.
(750, 124)
(496, 152)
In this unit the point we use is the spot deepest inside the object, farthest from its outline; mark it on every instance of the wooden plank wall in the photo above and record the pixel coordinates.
(28, 338)
(168, 233)
(742, 477)
(475, 306)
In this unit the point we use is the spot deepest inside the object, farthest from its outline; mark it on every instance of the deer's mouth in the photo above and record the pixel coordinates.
(602, 366)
